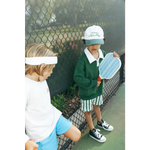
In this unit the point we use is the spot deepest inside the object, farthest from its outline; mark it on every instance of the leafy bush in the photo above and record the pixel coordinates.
(61, 101)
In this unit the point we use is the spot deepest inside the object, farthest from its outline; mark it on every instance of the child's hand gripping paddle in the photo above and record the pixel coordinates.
(108, 67)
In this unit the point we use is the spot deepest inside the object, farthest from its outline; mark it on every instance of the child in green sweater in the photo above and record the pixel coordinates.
(86, 74)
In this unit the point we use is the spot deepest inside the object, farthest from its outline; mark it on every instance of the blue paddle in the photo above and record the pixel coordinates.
(108, 67)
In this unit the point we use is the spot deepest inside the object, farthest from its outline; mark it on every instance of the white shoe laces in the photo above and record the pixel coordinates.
(97, 133)
(105, 124)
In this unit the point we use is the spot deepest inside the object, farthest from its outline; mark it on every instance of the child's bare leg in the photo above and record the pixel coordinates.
(73, 133)
(89, 119)
(97, 112)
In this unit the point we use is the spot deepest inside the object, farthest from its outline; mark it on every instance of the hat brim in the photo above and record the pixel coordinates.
(94, 41)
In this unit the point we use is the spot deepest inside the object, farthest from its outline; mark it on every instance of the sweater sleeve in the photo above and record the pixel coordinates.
(79, 76)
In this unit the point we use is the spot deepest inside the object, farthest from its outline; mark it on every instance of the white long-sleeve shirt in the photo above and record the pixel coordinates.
(40, 115)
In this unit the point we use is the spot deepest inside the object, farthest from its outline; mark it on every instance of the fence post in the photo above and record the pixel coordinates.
(122, 78)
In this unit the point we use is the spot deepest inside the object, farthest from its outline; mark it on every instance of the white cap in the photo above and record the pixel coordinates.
(93, 32)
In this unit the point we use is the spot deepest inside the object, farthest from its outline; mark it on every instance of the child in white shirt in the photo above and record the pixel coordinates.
(42, 120)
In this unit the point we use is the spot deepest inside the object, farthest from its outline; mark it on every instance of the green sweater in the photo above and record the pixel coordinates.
(85, 75)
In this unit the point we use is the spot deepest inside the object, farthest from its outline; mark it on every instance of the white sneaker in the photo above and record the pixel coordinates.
(96, 135)
(103, 124)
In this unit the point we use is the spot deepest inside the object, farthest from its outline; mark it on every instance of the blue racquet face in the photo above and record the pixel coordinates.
(109, 66)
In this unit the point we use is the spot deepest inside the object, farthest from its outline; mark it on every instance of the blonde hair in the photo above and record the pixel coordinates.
(38, 50)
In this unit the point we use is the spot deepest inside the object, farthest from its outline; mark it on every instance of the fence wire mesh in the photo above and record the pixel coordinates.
(59, 25)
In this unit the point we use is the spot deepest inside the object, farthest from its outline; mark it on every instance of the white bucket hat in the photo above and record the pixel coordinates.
(94, 35)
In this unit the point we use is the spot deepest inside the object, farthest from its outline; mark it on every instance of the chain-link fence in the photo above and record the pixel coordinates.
(59, 25)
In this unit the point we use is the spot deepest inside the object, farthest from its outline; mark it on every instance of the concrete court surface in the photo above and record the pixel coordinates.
(114, 114)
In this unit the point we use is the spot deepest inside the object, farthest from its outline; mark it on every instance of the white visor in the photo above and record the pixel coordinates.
(40, 60)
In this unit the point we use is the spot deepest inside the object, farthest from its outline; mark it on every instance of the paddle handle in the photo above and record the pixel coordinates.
(99, 79)
(34, 147)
